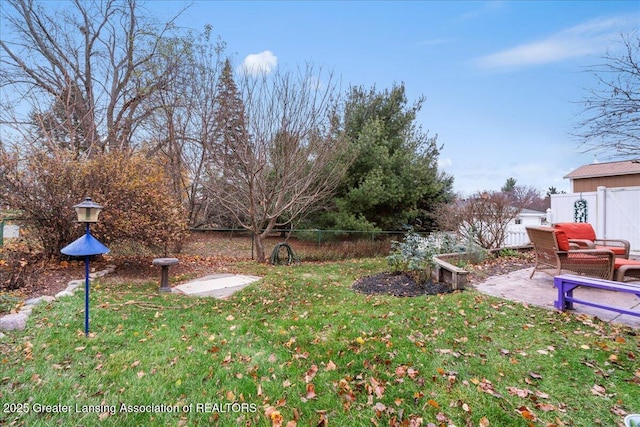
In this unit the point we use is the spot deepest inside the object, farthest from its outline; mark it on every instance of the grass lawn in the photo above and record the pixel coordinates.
(301, 348)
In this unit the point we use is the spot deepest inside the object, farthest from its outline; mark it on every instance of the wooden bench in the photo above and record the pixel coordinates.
(566, 283)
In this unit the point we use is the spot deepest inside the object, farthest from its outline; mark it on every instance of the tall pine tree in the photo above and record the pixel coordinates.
(394, 180)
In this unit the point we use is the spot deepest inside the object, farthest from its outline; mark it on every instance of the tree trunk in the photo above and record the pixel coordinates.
(259, 245)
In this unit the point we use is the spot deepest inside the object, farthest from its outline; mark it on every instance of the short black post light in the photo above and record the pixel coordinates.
(86, 246)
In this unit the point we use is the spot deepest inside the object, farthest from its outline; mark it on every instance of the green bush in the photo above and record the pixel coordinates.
(508, 252)
(413, 256)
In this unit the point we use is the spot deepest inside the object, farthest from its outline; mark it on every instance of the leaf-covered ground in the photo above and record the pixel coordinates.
(302, 348)
(207, 253)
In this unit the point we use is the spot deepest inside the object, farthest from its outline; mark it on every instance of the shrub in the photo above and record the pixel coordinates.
(473, 252)
(133, 191)
(509, 252)
(413, 256)
(138, 204)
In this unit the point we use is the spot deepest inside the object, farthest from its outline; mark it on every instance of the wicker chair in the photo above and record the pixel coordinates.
(555, 255)
(583, 234)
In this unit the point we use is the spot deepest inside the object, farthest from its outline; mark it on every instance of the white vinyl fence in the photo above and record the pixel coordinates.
(614, 213)
(516, 236)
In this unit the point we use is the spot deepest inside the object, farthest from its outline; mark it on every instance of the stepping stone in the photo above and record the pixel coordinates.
(216, 285)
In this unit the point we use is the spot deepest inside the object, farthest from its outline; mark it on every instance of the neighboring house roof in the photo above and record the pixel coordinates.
(531, 212)
(626, 167)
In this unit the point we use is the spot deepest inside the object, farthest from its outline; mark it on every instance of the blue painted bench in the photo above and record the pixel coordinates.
(566, 283)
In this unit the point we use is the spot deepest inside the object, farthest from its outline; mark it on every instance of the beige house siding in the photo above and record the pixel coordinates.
(611, 175)
(592, 184)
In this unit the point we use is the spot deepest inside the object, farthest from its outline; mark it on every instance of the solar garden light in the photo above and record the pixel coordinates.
(86, 246)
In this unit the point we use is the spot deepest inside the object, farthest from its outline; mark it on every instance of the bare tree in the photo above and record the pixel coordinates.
(484, 217)
(181, 127)
(83, 69)
(612, 109)
(277, 154)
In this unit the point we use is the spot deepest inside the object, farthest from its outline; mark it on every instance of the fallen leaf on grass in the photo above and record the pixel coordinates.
(535, 375)
(542, 395)
(598, 390)
(308, 376)
(311, 391)
(486, 386)
(520, 392)
(323, 421)
(545, 407)
(274, 415)
(526, 413)
(379, 408)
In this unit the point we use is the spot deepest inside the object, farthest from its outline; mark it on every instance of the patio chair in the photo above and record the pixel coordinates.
(555, 255)
(583, 235)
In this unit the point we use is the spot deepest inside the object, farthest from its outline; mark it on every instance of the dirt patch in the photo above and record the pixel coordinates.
(498, 266)
(202, 254)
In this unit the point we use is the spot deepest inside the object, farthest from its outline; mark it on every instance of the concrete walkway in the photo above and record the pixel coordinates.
(216, 285)
(540, 291)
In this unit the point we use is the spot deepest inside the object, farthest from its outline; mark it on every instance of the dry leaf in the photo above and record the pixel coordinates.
(598, 390)
(308, 376)
(311, 391)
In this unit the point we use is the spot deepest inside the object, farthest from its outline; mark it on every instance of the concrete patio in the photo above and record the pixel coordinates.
(539, 290)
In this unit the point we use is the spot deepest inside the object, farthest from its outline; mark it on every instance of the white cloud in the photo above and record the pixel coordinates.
(259, 63)
(584, 39)
(444, 163)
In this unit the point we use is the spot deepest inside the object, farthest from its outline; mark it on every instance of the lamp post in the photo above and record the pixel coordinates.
(86, 246)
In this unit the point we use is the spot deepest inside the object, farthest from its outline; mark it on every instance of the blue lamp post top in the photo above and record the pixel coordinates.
(85, 246)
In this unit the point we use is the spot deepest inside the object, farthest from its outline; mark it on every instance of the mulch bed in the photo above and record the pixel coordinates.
(403, 285)
(398, 284)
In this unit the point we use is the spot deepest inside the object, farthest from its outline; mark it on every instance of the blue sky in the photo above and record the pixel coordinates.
(502, 79)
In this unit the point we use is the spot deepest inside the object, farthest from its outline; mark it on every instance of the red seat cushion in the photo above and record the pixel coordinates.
(577, 230)
(618, 250)
(621, 261)
(562, 239)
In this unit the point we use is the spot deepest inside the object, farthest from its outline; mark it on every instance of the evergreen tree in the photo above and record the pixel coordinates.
(509, 185)
(394, 180)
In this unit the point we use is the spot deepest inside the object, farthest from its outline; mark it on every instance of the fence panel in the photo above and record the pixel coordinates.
(516, 236)
(613, 212)
(622, 216)
(563, 210)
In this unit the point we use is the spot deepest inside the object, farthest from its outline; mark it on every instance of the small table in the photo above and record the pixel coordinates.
(165, 263)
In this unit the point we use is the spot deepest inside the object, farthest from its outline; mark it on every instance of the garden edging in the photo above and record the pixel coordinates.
(448, 273)
(18, 321)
